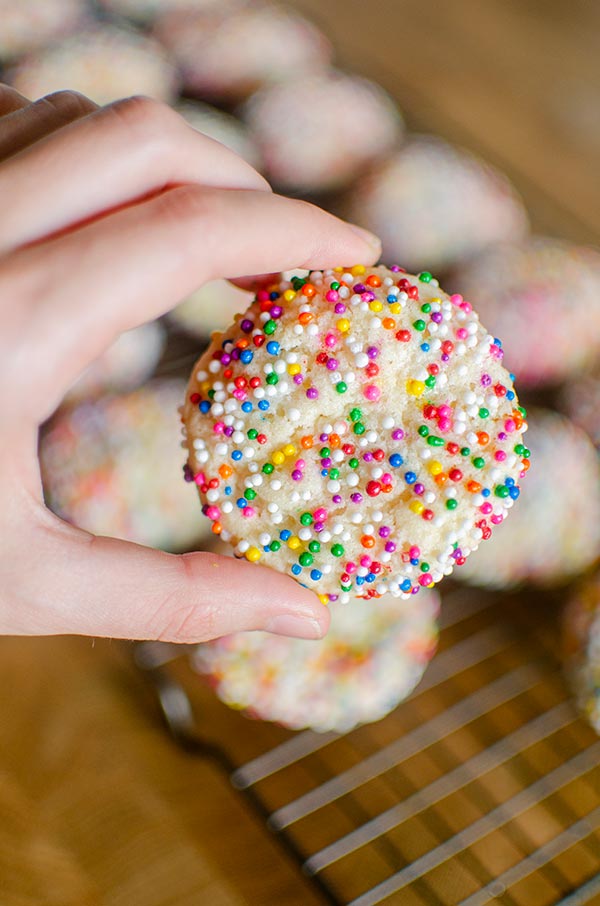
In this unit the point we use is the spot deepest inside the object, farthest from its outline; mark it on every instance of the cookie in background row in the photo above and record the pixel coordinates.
(105, 63)
(554, 533)
(580, 399)
(225, 55)
(356, 430)
(126, 364)
(224, 128)
(318, 131)
(26, 25)
(212, 307)
(112, 466)
(145, 11)
(434, 205)
(581, 623)
(371, 659)
(546, 293)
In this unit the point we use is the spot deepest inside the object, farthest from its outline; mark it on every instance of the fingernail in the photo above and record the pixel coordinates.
(370, 238)
(297, 627)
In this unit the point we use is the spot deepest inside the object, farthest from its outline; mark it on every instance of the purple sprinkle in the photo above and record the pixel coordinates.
(323, 437)
(336, 498)
(372, 352)
(502, 435)
(319, 526)
(340, 308)
(228, 430)
(419, 488)
(332, 364)
(414, 590)
(368, 296)
(485, 380)
(312, 393)
(326, 463)
(235, 354)
(188, 475)
(390, 547)
(359, 288)
(437, 317)
(297, 475)
(298, 378)
(398, 434)
(395, 269)
(368, 457)
(225, 358)
(247, 325)
(333, 597)
(276, 311)
(385, 531)
(356, 497)
(445, 358)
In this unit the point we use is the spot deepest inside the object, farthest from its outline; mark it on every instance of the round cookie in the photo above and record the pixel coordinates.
(581, 623)
(110, 466)
(319, 130)
(545, 291)
(224, 128)
(371, 659)
(554, 533)
(355, 429)
(145, 11)
(126, 364)
(212, 307)
(581, 401)
(433, 205)
(226, 55)
(28, 24)
(105, 63)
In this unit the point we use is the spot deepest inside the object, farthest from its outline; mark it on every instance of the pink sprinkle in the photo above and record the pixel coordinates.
(300, 464)
(485, 508)
(462, 333)
(320, 514)
(386, 478)
(239, 394)
(213, 513)
(365, 561)
(425, 579)
(332, 295)
(497, 519)
(414, 553)
(218, 427)
(509, 425)
(444, 424)
(248, 511)
(330, 340)
(351, 567)
(372, 392)
(466, 306)
(200, 478)
(499, 455)
(456, 298)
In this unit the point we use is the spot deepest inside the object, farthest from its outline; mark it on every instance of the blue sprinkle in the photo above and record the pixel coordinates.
(228, 490)
(509, 482)
(512, 377)
(242, 503)
(425, 347)
(296, 569)
(414, 561)
(510, 394)
(246, 356)
(285, 534)
(264, 405)
(315, 574)
(497, 342)
(360, 580)
(405, 586)
(486, 492)
(410, 477)
(514, 492)
(396, 460)
(273, 296)
(324, 473)
(391, 299)
(237, 455)
(204, 406)
(370, 577)
(267, 549)
(273, 347)
(247, 406)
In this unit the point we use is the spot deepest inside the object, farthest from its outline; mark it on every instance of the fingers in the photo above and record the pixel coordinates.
(31, 122)
(11, 99)
(134, 265)
(102, 587)
(116, 155)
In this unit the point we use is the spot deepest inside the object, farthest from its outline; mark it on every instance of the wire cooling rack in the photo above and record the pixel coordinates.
(483, 787)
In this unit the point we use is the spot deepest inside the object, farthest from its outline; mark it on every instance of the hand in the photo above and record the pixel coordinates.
(109, 217)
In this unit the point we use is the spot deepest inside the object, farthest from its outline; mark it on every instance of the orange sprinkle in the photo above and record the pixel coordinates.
(483, 438)
(441, 479)
(389, 323)
(225, 471)
(305, 317)
(473, 487)
(242, 343)
(217, 528)
(306, 442)
(334, 440)
(373, 280)
(526, 464)
(308, 290)
(367, 541)
(228, 373)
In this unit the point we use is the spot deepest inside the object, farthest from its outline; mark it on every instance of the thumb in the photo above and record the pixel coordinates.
(103, 587)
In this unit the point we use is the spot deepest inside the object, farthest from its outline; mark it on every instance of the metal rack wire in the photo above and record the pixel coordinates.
(483, 787)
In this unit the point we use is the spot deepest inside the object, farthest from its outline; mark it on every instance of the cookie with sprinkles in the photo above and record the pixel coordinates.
(371, 659)
(581, 625)
(355, 429)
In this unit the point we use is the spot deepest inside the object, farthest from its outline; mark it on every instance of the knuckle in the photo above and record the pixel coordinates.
(145, 116)
(185, 203)
(69, 105)
(180, 617)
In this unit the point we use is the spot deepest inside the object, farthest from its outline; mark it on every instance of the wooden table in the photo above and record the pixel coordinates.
(99, 806)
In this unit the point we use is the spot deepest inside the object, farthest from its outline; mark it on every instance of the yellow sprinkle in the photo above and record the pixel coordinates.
(357, 269)
(289, 449)
(253, 554)
(294, 369)
(376, 305)
(294, 543)
(417, 507)
(278, 457)
(415, 388)
(289, 295)
(395, 308)
(343, 325)
(205, 386)
(323, 599)
(436, 299)
(338, 270)
(435, 467)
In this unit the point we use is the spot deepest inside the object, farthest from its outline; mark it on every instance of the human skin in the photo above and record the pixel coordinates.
(109, 217)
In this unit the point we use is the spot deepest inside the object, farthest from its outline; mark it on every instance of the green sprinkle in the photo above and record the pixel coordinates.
(274, 546)
(423, 430)
(337, 550)
(268, 468)
(298, 282)
(305, 559)
(478, 462)
(424, 567)
(483, 412)
(430, 381)
(451, 504)
(522, 410)
(465, 451)
(270, 326)
(425, 277)
(419, 324)
(334, 473)
(252, 434)
(426, 308)
(434, 441)
(324, 452)
(355, 415)
(249, 493)
(501, 491)
(211, 394)
(353, 463)
(359, 428)
(335, 285)
(272, 378)
(306, 519)
(314, 547)
(341, 386)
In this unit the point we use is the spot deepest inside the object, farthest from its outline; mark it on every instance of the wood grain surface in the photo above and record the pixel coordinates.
(99, 806)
